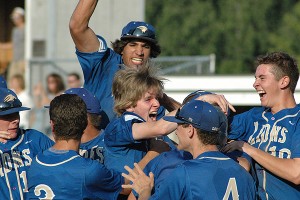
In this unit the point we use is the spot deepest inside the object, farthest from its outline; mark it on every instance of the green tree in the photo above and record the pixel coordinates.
(236, 31)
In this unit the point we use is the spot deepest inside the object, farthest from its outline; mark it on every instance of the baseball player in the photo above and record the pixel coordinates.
(17, 147)
(92, 140)
(99, 63)
(210, 174)
(136, 94)
(60, 172)
(270, 133)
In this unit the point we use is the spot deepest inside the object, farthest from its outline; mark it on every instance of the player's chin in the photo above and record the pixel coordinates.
(13, 133)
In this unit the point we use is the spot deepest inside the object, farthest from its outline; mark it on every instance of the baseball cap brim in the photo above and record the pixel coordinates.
(172, 119)
(139, 38)
(13, 110)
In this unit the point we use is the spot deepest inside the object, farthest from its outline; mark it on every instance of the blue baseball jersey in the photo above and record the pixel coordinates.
(212, 175)
(99, 69)
(93, 149)
(16, 158)
(162, 165)
(62, 174)
(120, 147)
(277, 135)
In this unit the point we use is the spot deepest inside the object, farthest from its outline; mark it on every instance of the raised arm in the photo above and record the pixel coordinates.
(83, 36)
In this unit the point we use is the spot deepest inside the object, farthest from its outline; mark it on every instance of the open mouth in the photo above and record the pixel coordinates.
(137, 61)
(153, 116)
(261, 93)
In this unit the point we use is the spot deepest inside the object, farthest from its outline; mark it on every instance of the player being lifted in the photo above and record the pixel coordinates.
(17, 148)
(99, 63)
(210, 174)
(270, 133)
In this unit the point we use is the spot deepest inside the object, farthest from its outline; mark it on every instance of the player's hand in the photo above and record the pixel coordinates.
(159, 146)
(4, 136)
(233, 145)
(141, 183)
(219, 100)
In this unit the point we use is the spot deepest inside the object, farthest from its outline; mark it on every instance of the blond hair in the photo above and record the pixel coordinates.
(130, 85)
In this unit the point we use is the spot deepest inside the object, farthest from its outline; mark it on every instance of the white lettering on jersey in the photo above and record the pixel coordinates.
(95, 153)
(49, 194)
(231, 189)
(26, 153)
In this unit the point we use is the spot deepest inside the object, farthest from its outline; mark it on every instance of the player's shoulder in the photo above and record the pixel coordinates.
(33, 134)
(123, 122)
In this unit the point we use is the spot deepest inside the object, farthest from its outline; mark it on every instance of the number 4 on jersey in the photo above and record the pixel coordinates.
(231, 189)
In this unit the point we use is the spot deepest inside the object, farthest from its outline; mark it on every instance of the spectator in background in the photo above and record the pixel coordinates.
(17, 44)
(17, 84)
(73, 80)
(40, 117)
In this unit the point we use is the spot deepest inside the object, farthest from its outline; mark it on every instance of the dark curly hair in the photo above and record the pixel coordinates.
(118, 46)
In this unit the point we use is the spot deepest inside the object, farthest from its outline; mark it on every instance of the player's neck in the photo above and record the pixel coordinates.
(67, 145)
(197, 150)
(89, 134)
(288, 102)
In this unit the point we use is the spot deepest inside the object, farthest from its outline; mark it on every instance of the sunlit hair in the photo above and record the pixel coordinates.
(20, 79)
(130, 85)
(68, 114)
(118, 46)
(283, 65)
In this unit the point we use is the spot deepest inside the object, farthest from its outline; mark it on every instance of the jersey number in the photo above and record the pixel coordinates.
(48, 192)
(231, 189)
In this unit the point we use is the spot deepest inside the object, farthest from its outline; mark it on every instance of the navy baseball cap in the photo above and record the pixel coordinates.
(2, 82)
(92, 103)
(140, 30)
(9, 102)
(201, 115)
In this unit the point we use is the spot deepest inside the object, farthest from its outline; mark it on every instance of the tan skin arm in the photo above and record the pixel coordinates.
(274, 164)
(83, 36)
(161, 127)
(153, 129)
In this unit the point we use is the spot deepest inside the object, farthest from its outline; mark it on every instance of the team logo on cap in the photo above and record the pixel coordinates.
(143, 28)
(9, 97)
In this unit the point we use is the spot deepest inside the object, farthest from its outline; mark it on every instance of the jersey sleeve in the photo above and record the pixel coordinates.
(295, 149)
(120, 132)
(37, 140)
(237, 126)
(103, 182)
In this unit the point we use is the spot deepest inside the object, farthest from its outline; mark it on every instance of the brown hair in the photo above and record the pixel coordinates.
(283, 65)
(130, 85)
(118, 46)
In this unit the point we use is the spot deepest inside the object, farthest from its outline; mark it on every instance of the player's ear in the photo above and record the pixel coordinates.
(284, 82)
(52, 126)
(190, 131)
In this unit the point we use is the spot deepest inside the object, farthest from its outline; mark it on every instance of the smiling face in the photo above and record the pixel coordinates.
(10, 124)
(266, 85)
(135, 53)
(147, 106)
